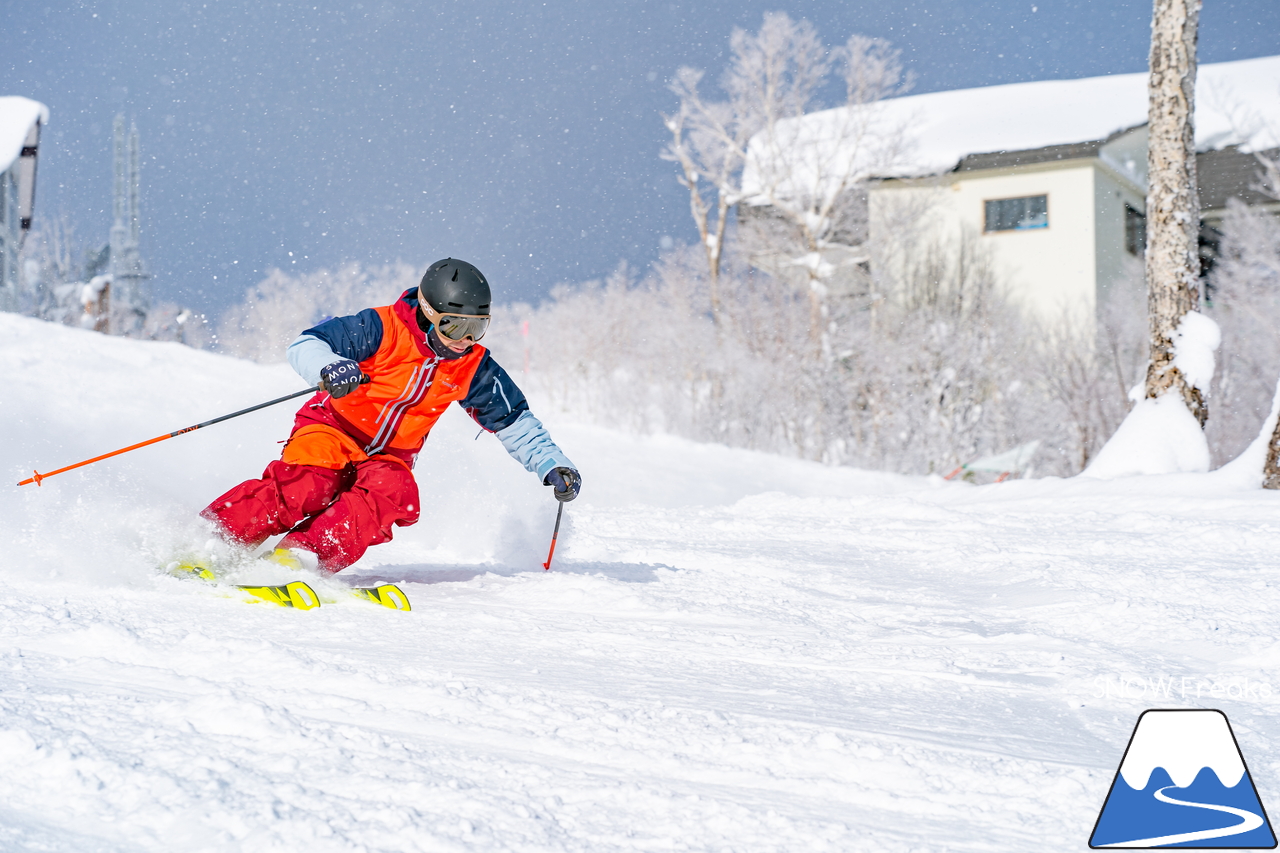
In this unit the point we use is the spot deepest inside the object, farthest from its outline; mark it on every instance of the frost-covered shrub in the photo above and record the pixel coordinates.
(1086, 379)
(53, 279)
(280, 306)
(936, 370)
(65, 280)
(1246, 305)
(940, 375)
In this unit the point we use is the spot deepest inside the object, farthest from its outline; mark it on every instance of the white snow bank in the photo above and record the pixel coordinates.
(1194, 343)
(1245, 471)
(1157, 437)
(17, 115)
(1161, 436)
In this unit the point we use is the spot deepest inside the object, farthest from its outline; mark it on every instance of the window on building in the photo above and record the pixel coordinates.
(1210, 249)
(1135, 231)
(1017, 214)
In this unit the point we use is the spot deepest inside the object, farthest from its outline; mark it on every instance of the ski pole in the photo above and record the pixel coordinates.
(314, 388)
(546, 567)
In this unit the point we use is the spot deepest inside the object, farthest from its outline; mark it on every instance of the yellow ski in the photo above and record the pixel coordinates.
(296, 594)
(388, 595)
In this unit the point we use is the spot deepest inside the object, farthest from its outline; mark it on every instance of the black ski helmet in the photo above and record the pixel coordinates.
(455, 287)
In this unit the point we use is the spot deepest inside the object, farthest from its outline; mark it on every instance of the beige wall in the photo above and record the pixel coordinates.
(1111, 194)
(1054, 272)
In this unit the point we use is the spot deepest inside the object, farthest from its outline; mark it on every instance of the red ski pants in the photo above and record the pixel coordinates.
(334, 513)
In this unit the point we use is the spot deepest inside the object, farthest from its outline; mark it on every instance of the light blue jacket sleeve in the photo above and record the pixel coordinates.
(309, 355)
(529, 443)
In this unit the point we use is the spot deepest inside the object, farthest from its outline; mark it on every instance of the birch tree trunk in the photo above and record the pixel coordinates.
(1173, 209)
(1271, 467)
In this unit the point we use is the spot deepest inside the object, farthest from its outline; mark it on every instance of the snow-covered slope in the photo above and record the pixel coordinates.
(734, 651)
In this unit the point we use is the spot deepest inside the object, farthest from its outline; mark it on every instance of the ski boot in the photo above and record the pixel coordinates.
(192, 568)
(295, 559)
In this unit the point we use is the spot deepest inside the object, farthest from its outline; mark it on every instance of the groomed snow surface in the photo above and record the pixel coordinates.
(732, 652)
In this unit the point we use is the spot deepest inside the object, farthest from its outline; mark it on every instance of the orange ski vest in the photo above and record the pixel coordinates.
(410, 388)
(392, 414)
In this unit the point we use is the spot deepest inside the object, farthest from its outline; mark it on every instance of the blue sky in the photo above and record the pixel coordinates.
(523, 137)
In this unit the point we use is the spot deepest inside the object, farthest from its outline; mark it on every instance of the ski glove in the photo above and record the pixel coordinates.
(566, 481)
(341, 377)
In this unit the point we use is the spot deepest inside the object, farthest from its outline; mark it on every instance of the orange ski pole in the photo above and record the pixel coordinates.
(546, 567)
(38, 476)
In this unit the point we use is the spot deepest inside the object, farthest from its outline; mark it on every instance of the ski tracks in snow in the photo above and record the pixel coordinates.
(889, 674)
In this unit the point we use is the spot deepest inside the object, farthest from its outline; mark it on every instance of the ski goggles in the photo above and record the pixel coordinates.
(456, 327)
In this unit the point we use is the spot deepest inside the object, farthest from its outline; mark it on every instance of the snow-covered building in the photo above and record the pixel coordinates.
(20, 123)
(1052, 175)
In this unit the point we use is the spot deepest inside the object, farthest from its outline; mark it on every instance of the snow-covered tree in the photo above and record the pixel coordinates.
(1246, 286)
(772, 75)
(53, 270)
(280, 306)
(927, 383)
(751, 146)
(806, 179)
(708, 142)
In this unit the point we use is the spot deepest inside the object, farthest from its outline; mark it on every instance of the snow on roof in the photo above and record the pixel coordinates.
(17, 115)
(1236, 103)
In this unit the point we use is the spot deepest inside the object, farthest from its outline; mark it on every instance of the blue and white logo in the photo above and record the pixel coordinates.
(1183, 783)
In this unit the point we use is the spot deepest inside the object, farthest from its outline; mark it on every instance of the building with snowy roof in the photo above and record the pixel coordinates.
(20, 123)
(1050, 175)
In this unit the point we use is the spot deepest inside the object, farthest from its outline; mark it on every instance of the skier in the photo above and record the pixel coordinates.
(386, 374)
